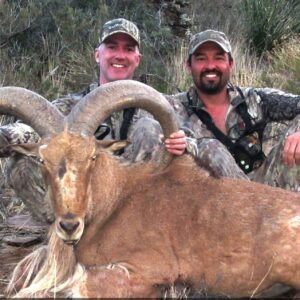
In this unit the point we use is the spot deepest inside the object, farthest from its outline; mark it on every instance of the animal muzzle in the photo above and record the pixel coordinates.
(69, 229)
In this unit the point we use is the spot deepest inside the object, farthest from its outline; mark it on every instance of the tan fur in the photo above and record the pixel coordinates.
(176, 227)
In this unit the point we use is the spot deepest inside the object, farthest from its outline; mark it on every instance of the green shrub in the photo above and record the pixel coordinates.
(39, 51)
(269, 23)
(47, 46)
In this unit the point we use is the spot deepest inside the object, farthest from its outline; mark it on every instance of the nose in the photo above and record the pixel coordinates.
(210, 64)
(69, 226)
(120, 54)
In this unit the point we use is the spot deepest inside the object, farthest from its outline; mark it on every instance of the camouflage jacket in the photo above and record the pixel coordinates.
(271, 108)
(18, 132)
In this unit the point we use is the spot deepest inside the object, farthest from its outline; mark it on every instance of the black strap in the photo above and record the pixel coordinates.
(207, 120)
(104, 133)
(243, 111)
(127, 117)
(238, 151)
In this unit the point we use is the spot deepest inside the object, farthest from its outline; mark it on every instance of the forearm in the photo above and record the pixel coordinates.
(16, 133)
(19, 133)
(278, 105)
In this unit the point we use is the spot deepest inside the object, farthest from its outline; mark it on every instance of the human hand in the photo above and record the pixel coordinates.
(176, 143)
(291, 150)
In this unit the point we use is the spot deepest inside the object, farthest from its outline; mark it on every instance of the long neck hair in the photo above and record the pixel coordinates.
(50, 271)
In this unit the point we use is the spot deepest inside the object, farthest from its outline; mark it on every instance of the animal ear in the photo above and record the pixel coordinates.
(112, 145)
(30, 149)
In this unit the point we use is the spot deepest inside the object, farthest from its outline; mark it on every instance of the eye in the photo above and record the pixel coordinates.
(200, 58)
(40, 160)
(131, 49)
(94, 157)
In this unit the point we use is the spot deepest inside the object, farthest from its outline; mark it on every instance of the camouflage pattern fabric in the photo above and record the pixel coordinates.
(120, 25)
(272, 108)
(214, 157)
(209, 35)
(145, 141)
(32, 189)
(273, 172)
(19, 133)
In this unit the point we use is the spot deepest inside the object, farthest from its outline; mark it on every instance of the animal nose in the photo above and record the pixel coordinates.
(69, 227)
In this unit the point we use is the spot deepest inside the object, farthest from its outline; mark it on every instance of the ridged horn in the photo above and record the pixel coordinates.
(32, 109)
(98, 105)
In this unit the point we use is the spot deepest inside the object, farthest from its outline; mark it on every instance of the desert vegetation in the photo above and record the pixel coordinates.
(47, 45)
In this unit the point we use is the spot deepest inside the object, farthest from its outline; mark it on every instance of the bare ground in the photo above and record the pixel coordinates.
(19, 234)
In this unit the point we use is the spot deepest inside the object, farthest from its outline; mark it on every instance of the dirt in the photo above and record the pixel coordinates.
(19, 235)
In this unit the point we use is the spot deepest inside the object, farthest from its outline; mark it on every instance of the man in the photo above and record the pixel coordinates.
(118, 57)
(229, 123)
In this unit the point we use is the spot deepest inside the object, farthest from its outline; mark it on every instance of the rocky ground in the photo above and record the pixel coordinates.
(19, 235)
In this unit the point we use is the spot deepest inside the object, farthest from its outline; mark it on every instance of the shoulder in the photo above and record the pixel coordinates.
(177, 99)
(66, 103)
(250, 94)
(265, 93)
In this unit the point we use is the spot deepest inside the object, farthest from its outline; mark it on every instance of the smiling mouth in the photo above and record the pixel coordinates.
(211, 75)
(118, 66)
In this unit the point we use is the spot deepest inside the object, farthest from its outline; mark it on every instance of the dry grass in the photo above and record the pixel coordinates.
(248, 69)
(176, 67)
(284, 70)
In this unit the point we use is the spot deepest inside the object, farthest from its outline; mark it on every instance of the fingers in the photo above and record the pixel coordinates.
(176, 143)
(291, 150)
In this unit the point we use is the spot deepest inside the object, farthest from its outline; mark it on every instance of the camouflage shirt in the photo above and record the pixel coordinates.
(18, 132)
(271, 108)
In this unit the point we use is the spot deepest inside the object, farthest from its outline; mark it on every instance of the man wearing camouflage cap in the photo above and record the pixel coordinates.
(237, 131)
(118, 56)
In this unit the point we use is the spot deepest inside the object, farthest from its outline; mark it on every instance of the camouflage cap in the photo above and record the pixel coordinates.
(209, 36)
(120, 25)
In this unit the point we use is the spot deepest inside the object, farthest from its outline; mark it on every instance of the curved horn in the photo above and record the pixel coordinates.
(31, 108)
(98, 105)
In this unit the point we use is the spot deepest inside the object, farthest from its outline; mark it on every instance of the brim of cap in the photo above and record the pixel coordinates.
(121, 31)
(208, 40)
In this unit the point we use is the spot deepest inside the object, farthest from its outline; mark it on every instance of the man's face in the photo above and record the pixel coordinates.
(210, 68)
(118, 57)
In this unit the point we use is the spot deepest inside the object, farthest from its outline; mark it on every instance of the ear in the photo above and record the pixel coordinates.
(26, 149)
(232, 65)
(97, 55)
(138, 59)
(112, 145)
(188, 67)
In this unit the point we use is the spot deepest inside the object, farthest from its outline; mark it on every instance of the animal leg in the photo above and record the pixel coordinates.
(114, 281)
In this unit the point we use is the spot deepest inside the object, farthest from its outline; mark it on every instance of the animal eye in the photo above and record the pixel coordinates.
(40, 160)
(94, 157)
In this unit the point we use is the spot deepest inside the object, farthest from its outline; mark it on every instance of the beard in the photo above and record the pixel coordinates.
(211, 87)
